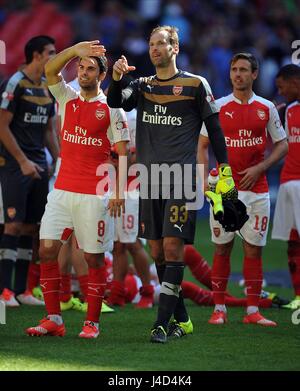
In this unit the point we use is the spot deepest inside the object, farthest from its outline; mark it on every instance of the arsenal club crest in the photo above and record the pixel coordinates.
(177, 90)
(261, 114)
(100, 114)
(11, 212)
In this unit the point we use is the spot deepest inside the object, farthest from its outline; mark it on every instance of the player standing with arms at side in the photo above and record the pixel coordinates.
(171, 107)
(89, 127)
(26, 127)
(245, 119)
(287, 212)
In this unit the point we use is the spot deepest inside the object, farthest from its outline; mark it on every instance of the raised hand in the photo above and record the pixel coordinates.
(89, 48)
(121, 67)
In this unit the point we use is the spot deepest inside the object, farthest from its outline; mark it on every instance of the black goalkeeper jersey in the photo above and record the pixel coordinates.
(169, 116)
(32, 106)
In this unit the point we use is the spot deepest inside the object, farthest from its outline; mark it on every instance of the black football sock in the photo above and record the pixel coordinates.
(169, 293)
(160, 272)
(24, 256)
(8, 248)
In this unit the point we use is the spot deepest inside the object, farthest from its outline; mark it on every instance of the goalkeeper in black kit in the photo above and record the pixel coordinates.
(171, 107)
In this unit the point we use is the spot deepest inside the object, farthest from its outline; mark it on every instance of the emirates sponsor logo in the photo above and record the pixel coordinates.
(261, 114)
(100, 114)
(294, 136)
(81, 137)
(177, 90)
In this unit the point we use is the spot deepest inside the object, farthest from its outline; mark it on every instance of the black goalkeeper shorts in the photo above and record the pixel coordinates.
(24, 198)
(167, 217)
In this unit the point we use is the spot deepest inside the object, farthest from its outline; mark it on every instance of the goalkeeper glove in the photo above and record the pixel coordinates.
(225, 185)
(216, 203)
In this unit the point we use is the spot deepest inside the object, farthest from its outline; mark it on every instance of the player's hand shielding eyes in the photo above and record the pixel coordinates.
(89, 48)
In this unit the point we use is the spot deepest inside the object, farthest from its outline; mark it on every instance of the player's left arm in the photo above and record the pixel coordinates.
(117, 201)
(51, 142)
(118, 134)
(279, 150)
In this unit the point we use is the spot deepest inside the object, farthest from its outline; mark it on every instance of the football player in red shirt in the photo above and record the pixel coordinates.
(80, 201)
(246, 119)
(287, 217)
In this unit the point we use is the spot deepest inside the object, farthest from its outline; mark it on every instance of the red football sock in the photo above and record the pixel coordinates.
(50, 283)
(33, 278)
(220, 275)
(83, 283)
(198, 265)
(196, 294)
(65, 287)
(253, 276)
(294, 260)
(96, 288)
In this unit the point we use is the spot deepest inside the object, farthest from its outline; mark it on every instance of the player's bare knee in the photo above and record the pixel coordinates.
(252, 251)
(13, 229)
(119, 248)
(224, 250)
(49, 250)
(94, 261)
(173, 249)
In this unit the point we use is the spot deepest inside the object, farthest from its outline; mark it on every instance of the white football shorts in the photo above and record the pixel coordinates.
(85, 214)
(287, 210)
(126, 226)
(255, 230)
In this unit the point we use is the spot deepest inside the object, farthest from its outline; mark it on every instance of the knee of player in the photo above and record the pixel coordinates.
(173, 249)
(48, 250)
(252, 251)
(223, 250)
(94, 260)
(13, 229)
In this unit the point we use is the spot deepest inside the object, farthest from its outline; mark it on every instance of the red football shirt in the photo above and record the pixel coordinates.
(245, 128)
(291, 167)
(88, 130)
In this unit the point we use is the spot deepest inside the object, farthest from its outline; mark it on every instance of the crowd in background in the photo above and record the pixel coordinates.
(210, 32)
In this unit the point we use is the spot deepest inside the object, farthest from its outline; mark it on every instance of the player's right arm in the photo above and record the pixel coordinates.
(118, 97)
(58, 62)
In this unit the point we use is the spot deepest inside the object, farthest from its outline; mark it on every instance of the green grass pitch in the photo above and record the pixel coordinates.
(124, 345)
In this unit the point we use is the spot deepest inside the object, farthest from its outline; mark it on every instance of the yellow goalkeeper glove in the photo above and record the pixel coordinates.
(225, 185)
(216, 203)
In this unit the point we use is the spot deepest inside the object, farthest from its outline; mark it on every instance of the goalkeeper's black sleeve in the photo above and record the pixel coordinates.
(125, 98)
(216, 138)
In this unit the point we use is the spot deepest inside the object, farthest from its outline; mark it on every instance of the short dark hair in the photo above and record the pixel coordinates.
(101, 61)
(246, 56)
(36, 44)
(289, 71)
